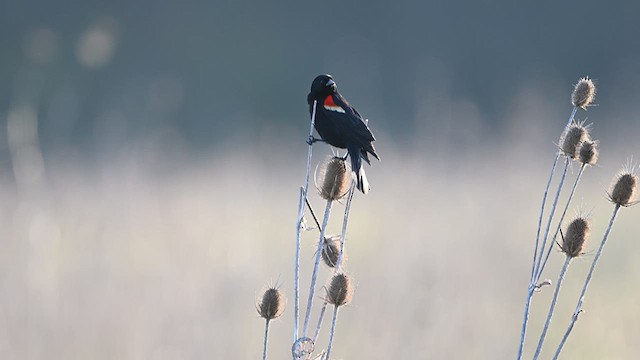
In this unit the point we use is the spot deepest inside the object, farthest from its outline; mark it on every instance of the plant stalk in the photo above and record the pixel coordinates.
(303, 197)
(552, 307)
(333, 330)
(564, 212)
(532, 283)
(344, 225)
(266, 337)
(574, 318)
(320, 318)
(551, 214)
(314, 276)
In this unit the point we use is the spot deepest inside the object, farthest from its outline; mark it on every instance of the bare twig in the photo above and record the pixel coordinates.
(303, 197)
(532, 283)
(314, 276)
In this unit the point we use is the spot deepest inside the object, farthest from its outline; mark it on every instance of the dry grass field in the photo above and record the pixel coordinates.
(154, 254)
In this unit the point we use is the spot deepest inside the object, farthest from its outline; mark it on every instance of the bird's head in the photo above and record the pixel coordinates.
(322, 86)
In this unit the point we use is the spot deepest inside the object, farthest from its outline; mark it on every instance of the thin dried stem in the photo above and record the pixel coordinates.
(532, 284)
(344, 225)
(333, 330)
(574, 318)
(313, 214)
(303, 197)
(564, 212)
(552, 307)
(551, 214)
(314, 276)
(320, 318)
(266, 337)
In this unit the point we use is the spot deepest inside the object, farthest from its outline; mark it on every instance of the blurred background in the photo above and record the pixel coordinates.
(151, 154)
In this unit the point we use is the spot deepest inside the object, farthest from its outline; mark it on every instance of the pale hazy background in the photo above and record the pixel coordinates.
(151, 154)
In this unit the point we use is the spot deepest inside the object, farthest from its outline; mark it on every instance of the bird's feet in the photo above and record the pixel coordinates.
(312, 139)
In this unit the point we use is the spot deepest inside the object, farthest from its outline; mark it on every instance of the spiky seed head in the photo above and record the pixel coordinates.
(333, 178)
(584, 92)
(272, 304)
(589, 152)
(331, 250)
(576, 236)
(623, 191)
(340, 290)
(576, 134)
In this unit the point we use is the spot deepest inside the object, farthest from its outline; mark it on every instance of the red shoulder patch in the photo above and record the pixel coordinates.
(330, 105)
(328, 101)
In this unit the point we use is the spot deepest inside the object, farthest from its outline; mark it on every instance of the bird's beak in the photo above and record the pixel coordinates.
(331, 82)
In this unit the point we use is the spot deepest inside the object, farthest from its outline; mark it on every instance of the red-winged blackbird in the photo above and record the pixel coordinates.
(340, 125)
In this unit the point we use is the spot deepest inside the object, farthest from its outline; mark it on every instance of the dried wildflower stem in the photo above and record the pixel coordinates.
(266, 337)
(320, 318)
(303, 198)
(333, 330)
(564, 212)
(344, 225)
(314, 276)
(339, 261)
(544, 198)
(544, 201)
(574, 318)
(551, 215)
(526, 319)
(532, 284)
(552, 307)
(313, 214)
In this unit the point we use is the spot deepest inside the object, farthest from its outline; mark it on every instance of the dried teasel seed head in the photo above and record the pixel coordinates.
(588, 153)
(272, 304)
(623, 191)
(584, 92)
(331, 250)
(576, 236)
(340, 290)
(333, 178)
(576, 134)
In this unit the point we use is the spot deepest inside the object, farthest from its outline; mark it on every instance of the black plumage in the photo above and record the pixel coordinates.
(339, 124)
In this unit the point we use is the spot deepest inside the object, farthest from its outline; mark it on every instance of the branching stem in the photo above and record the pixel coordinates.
(532, 284)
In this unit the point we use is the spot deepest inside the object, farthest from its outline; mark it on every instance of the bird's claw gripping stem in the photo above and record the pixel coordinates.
(313, 139)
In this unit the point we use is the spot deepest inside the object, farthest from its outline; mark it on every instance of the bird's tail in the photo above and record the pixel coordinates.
(358, 170)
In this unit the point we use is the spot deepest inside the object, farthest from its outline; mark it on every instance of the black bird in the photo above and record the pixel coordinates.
(340, 125)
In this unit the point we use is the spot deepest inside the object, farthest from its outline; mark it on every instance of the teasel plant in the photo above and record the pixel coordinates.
(575, 144)
(572, 246)
(334, 182)
(270, 307)
(623, 193)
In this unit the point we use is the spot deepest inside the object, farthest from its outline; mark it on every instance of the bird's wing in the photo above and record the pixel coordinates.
(347, 119)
